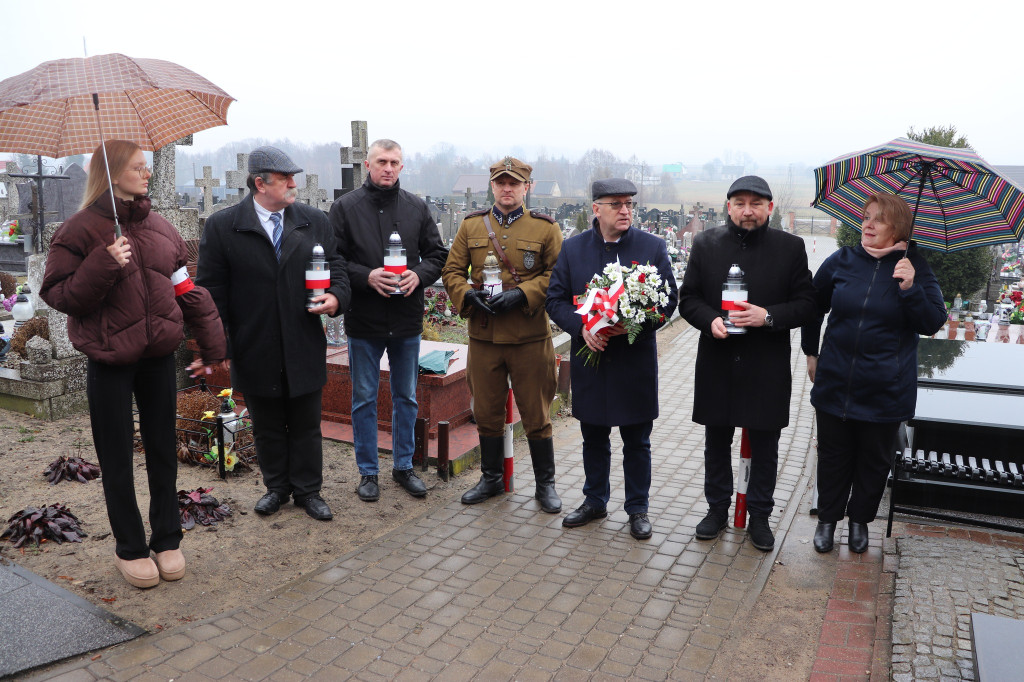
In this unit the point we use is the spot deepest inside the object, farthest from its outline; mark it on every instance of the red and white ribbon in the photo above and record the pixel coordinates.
(182, 282)
(599, 308)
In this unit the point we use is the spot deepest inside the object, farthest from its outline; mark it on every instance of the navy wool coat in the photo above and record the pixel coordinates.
(867, 369)
(623, 389)
(262, 302)
(746, 380)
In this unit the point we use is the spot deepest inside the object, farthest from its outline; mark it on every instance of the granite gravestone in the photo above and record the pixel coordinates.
(354, 156)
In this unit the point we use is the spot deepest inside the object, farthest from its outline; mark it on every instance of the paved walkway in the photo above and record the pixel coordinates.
(501, 591)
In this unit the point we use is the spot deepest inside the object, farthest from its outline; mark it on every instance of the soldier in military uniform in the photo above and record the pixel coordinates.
(509, 334)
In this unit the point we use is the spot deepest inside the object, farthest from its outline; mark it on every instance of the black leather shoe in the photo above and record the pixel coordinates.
(315, 507)
(712, 525)
(824, 537)
(760, 534)
(640, 526)
(582, 516)
(410, 481)
(368, 489)
(858, 540)
(270, 502)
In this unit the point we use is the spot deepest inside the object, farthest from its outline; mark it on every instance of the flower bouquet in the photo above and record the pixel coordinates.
(1017, 311)
(621, 295)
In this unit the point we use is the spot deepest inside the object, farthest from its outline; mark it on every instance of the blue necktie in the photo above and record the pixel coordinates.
(276, 219)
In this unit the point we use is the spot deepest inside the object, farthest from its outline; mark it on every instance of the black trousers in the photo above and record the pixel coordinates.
(110, 389)
(764, 462)
(854, 458)
(289, 444)
(636, 464)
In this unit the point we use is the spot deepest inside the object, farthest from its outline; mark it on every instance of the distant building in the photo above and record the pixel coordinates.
(546, 189)
(676, 171)
(477, 184)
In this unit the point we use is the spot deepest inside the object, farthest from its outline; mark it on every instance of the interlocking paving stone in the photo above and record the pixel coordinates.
(500, 591)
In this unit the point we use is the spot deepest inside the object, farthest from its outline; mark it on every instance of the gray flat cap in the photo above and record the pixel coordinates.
(752, 184)
(271, 160)
(612, 187)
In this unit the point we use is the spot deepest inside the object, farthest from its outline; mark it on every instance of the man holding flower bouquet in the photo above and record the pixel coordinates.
(611, 289)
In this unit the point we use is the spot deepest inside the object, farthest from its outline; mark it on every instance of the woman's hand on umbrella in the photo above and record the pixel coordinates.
(904, 271)
(120, 251)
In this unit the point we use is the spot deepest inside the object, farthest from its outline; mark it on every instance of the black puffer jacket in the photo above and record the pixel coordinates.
(363, 220)
(119, 315)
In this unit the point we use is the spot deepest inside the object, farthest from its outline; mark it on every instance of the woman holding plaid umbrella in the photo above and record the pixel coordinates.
(126, 299)
(881, 295)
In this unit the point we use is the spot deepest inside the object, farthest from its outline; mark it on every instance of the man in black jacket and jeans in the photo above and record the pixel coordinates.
(386, 314)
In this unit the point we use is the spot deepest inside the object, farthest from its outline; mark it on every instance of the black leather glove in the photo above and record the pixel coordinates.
(478, 299)
(503, 301)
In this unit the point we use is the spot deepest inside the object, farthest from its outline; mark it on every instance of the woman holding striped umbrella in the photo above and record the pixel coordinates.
(879, 296)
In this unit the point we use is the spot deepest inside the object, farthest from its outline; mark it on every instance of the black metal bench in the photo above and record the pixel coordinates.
(953, 482)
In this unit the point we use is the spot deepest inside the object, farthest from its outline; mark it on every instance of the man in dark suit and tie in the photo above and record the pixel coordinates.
(252, 259)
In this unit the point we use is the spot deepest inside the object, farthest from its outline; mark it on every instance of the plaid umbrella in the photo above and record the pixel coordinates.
(49, 110)
(959, 201)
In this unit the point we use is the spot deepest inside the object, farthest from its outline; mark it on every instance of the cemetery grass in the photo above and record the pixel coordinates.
(241, 561)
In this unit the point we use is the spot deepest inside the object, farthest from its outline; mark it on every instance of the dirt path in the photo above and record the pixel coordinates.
(230, 564)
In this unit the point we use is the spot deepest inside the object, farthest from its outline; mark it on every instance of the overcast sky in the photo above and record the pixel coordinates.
(666, 81)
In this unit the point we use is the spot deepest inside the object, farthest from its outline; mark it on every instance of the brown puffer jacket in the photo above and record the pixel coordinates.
(119, 315)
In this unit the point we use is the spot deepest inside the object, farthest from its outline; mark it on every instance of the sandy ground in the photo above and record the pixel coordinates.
(230, 564)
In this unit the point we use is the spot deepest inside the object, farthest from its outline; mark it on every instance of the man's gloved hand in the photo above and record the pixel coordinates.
(503, 301)
(478, 299)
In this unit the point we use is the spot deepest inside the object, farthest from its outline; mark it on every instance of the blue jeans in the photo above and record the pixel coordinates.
(364, 363)
(636, 464)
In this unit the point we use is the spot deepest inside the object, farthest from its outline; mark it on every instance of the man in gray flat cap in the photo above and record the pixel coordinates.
(252, 259)
(743, 374)
(622, 389)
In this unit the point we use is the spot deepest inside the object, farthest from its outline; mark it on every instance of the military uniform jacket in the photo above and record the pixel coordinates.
(531, 243)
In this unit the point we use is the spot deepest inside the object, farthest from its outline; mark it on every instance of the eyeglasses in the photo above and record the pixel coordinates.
(143, 171)
(617, 205)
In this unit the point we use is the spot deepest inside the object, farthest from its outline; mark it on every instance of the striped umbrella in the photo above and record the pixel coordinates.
(959, 201)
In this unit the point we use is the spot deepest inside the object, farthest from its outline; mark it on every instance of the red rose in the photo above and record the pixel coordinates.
(635, 262)
(641, 278)
(1016, 296)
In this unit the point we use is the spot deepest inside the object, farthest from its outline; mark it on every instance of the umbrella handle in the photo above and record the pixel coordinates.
(106, 165)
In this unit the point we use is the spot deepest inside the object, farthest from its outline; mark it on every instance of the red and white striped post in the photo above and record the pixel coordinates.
(740, 517)
(509, 471)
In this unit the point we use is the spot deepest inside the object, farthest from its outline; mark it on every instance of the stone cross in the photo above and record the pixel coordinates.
(469, 199)
(207, 183)
(9, 206)
(162, 184)
(312, 194)
(356, 154)
(235, 179)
